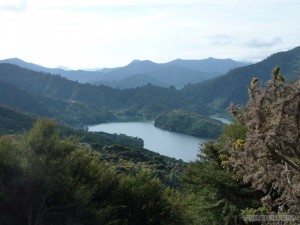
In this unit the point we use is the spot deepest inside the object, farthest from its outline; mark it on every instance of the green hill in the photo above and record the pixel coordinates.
(70, 112)
(14, 122)
(75, 103)
(189, 123)
(232, 87)
(146, 101)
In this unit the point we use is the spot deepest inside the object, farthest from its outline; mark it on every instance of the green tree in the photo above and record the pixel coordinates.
(47, 180)
(218, 195)
(10, 182)
(141, 201)
(94, 186)
(53, 181)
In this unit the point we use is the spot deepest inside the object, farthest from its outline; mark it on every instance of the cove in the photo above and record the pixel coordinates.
(172, 144)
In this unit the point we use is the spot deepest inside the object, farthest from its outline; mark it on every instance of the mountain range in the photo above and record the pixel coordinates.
(177, 73)
(44, 94)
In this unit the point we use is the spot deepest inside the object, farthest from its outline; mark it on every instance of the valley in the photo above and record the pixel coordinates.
(95, 144)
(79, 104)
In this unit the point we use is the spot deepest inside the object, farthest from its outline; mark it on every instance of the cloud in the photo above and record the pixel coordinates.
(221, 39)
(14, 6)
(259, 43)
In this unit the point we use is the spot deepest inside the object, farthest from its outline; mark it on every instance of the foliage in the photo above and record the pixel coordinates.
(135, 160)
(67, 111)
(143, 200)
(218, 196)
(14, 122)
(269, 156)
(218, 93)
(189, 123)
(48, 180)
(121, 151)
(72, 102)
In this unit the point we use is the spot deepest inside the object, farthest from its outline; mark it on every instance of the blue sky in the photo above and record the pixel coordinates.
(110, 33)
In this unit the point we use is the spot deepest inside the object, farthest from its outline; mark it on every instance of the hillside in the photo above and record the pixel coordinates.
(189, 123)
(137, 80)
(217, 93)
(176, 73)
(145, 101)
(76, 75)
(208, 97)
(14, 122)
(70, 112)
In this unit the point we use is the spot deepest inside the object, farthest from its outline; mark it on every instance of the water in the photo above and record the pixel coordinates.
(172, 144)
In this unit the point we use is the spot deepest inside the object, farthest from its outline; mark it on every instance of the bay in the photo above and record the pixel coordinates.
(172, 144)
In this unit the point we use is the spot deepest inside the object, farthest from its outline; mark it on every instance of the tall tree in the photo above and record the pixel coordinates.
(218, 195)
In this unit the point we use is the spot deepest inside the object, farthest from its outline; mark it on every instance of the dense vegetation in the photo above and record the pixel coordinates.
(75, 103)
(69, 101)
(48, 180)
(219, 92)
(67, 111)
(218, 196)
(13, 122)
(53, 178)
(189, 123)
(60, 175)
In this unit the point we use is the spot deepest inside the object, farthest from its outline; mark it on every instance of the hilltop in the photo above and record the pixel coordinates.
(139, 73)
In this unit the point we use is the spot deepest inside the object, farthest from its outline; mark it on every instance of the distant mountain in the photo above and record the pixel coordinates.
(145, 101)
(177, 73)
(57, 97)
(23, 64)
(76, 75)
(219, 92)
(209, 65)
(137, 80)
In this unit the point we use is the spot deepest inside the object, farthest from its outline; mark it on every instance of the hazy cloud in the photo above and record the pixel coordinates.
(221, 39)
(259, 43)
(15, 6)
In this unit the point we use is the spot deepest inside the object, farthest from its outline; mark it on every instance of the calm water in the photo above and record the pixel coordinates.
(179, 146)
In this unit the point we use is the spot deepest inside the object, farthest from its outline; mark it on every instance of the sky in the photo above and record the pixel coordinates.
(85, 34)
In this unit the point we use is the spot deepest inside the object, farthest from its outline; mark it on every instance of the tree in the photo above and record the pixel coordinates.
(10, 182)
(47, 180)
(269, 155)
(217, 195)
(141, 201)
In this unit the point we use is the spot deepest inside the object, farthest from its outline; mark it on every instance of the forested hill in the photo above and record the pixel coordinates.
(232, 87)
(13, 122)
(70, 112)
(146, 101)
(139, 73)
(205, 98)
